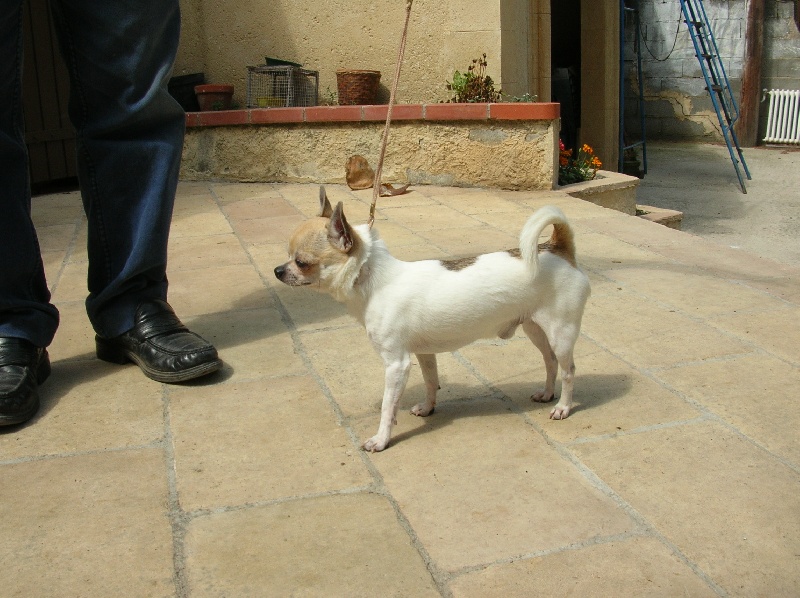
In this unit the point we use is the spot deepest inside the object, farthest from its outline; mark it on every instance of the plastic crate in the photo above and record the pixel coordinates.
(281, 86)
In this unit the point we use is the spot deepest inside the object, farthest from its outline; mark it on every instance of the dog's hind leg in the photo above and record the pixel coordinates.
(430, 373)
(539, 339)
(396, 376)
(563, 345)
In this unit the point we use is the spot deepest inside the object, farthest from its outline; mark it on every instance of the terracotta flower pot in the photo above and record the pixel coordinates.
(212, 96)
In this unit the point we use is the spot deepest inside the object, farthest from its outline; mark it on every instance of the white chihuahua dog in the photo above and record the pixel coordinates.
(433, 306)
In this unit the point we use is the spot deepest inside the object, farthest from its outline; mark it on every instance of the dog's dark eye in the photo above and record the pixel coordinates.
(301, 264)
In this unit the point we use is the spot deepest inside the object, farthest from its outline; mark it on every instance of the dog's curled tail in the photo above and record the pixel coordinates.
(561, 243)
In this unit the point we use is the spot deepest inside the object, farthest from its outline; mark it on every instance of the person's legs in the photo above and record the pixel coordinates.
(130, 131)
(28, 320)
(25, 308)
(129, 138)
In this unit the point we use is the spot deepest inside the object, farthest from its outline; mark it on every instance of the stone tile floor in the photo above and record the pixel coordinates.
(677, 474)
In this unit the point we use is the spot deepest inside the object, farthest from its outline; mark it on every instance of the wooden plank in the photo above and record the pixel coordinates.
(51, 114)
(30, 81)
(48, 135)
(45, 91)
(37, 154)
(71, 156)
(797, 13)
(62, 84)
(62, 92)
(747, 127)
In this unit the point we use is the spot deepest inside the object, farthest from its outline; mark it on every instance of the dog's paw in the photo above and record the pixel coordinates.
(375, 444)
(559, 412)
(542, 397)
(422, 409)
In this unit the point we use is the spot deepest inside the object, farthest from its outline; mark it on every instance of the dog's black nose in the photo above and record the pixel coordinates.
(279, 271)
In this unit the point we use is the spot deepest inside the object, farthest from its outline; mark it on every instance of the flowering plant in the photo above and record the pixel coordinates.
(582, 167)
(474, 85)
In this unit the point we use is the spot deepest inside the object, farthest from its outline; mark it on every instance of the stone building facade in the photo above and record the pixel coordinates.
(677, 105)
(519, 37)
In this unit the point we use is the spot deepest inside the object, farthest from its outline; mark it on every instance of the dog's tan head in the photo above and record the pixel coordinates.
(319, 248)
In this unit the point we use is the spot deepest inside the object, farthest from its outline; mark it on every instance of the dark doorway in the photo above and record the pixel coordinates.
(565, 36)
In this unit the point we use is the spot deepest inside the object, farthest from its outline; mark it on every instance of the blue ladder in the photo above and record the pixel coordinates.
(705, 48)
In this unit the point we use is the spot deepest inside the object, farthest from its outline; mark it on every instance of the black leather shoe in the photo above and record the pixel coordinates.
(23, 367)
(161, 345)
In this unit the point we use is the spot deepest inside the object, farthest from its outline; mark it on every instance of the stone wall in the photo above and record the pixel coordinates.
(221, 39)
(509, 146)
(677, 106)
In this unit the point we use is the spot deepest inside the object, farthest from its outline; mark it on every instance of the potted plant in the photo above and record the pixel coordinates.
(214, 96)
(474, 85)
(582, 167)
(631, 164)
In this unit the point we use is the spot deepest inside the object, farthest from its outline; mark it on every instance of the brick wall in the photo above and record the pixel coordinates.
(677, 105)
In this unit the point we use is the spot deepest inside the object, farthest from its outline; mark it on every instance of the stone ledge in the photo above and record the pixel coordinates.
(668, 218)
(423, 112)
(609, 189)
(507, 146)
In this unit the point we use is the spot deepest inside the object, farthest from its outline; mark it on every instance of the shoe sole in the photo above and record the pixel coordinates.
(42, 373)
(111, 354)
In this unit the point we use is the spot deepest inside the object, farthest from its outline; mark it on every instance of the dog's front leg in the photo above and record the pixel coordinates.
(430, 373)
(397, 368)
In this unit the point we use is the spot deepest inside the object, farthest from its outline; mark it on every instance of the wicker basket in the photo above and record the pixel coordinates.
(357, 87)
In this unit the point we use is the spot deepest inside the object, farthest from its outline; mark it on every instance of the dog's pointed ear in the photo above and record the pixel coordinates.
(339, 232)
(325, 209)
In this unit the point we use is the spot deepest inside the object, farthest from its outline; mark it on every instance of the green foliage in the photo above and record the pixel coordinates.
(525, 97)
(329, 97)
(474, 85)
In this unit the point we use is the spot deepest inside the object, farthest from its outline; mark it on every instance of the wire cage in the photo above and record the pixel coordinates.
(281, 86)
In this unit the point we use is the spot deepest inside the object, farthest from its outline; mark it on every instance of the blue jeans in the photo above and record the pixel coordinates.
(119, 54)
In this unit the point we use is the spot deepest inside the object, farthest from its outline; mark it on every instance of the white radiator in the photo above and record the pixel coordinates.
(783, 122)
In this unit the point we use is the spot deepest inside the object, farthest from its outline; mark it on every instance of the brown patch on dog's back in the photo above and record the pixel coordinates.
(561, 243)
(458, 264)
(563, 248)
